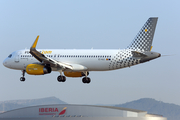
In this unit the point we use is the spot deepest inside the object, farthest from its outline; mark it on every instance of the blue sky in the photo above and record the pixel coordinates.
(100, 24)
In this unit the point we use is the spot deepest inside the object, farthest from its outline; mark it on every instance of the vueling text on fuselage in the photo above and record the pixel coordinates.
(46, 52)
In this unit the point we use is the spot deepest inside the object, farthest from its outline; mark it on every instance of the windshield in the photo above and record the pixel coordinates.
(10, 56)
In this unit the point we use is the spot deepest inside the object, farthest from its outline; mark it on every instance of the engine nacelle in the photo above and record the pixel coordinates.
(74, 74)
(36, 69)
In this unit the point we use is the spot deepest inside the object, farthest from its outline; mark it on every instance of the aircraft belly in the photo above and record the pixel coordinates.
(96, 65)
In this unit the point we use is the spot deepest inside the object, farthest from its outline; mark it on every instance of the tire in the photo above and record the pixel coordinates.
(63, 79)
(88, 80)
(84, 80)
(22, 79)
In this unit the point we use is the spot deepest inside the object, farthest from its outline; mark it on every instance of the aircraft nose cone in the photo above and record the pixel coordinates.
(5, 63)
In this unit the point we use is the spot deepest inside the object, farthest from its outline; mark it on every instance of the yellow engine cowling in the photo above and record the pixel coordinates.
(74, 74)
(36, 69)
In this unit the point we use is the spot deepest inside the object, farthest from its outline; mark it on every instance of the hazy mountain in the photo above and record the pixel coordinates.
(152, 106)
(14, 104)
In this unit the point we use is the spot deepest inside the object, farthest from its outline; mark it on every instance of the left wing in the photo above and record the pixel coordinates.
(45, 60)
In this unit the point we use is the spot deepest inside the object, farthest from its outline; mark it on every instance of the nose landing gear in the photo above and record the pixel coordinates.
(22, 79)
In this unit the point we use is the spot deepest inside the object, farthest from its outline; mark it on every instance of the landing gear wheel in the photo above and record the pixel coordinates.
(23, 74)
(64, 79)
(61, 78)
(86, 80)
(22, 79)
(89, 80)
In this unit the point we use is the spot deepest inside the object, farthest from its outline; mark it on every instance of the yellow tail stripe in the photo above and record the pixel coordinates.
(151, 48)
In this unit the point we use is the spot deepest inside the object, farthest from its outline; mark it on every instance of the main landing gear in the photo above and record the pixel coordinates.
(61, 78)
(22, 79)
(86, 79)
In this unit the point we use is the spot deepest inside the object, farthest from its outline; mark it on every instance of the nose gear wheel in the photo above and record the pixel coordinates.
(22, 79)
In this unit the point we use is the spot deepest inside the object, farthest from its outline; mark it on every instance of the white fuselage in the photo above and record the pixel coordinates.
(92, 59)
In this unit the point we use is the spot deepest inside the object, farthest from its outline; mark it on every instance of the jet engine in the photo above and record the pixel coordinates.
(36, 69)
(74, 74)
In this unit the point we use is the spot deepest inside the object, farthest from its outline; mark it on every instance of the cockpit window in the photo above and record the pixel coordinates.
(10, 56)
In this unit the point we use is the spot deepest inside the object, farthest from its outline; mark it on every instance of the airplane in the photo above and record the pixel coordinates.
(78, 63)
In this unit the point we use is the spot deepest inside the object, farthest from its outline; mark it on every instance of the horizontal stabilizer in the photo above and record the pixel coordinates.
(138, 54)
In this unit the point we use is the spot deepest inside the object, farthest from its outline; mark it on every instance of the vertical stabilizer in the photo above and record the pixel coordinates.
(144, 38)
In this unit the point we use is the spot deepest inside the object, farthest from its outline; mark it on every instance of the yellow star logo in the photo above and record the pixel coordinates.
(145, 30)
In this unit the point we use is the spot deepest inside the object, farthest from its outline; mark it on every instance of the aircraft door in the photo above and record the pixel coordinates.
(16, 59)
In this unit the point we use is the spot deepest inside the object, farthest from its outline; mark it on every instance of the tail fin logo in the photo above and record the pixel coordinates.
(63, 111)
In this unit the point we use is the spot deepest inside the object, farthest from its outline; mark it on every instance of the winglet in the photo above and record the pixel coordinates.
(35, 42)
